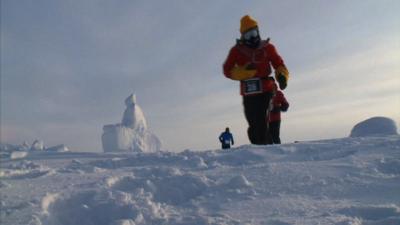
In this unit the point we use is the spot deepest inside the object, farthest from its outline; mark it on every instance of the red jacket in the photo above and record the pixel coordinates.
(279, 104)
(262, 58)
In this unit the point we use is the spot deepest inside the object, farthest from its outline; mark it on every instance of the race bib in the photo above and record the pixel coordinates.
(252, 86)
(227, 142)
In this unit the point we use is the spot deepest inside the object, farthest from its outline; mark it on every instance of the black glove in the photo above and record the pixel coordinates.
(282, 81)
(284, 107)
(276, 109)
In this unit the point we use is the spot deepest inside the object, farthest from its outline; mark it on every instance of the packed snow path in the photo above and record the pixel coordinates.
(343, 181)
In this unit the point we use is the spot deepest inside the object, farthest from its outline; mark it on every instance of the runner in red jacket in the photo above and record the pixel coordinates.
(279, 103)
(249, 62)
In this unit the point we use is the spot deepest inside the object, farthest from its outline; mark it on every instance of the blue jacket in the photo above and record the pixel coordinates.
(226, 138)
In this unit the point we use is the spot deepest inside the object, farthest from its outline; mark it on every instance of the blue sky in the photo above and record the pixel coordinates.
(67, 66)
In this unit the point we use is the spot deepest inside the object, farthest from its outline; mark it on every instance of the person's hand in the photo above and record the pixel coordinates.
(284, 107)
(276, 109)
(282, 76)
(282, 81)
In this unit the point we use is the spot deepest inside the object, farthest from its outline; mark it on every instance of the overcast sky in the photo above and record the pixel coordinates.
(67, 66)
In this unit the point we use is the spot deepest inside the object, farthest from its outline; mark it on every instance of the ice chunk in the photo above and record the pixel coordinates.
(18, 154)
(37, 145)
(132, 134)
(374, 126)
(121, 138)
(133, 115)
(58, 148)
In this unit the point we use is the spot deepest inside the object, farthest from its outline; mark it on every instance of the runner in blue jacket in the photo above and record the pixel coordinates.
(226, 139)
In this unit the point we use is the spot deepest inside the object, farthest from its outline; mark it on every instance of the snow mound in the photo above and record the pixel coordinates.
(374, 126)
(239, 182)
(132, 134)
(153, 196)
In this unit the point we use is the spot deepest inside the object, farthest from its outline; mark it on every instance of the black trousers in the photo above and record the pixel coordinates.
(225, 146)
(256, 112)
(274, 130)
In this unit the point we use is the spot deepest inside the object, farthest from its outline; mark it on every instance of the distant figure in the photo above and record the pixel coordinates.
(279, 104)
(226, 139)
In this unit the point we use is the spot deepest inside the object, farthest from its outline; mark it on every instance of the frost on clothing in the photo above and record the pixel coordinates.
(132, 134)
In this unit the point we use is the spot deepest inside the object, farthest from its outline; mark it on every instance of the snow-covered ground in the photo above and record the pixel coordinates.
(342, 181)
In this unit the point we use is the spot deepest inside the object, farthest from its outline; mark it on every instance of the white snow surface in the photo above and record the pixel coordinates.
(349, 181)
(132, 133)
(374, 126)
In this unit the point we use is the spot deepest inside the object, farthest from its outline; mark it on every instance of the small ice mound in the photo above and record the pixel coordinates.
(58, 148)
(37, 145)
(18, 154)
(123, 183)
(374, 126)
(47, 200)
(198, 162)
(104, 208)
(176, 190)
(345, 220)
(239, 182)
(173, 190)
(111, 181)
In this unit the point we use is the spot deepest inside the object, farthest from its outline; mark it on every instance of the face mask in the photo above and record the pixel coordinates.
(251, 38)
(250, 34)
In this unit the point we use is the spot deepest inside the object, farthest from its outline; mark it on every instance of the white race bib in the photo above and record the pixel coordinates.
(252, 86)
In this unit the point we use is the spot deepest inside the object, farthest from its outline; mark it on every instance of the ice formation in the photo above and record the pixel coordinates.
(37, 145)
(58, 148)
(374, 126)
(132, 133)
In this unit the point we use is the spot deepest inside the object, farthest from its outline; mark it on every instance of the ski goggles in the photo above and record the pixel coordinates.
(250, 34)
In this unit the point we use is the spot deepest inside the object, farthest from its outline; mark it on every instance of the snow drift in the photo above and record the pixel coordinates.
(374, 126)
(349, 181)
(132, 134)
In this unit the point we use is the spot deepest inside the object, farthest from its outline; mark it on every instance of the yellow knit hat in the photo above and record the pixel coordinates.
(246, 23)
